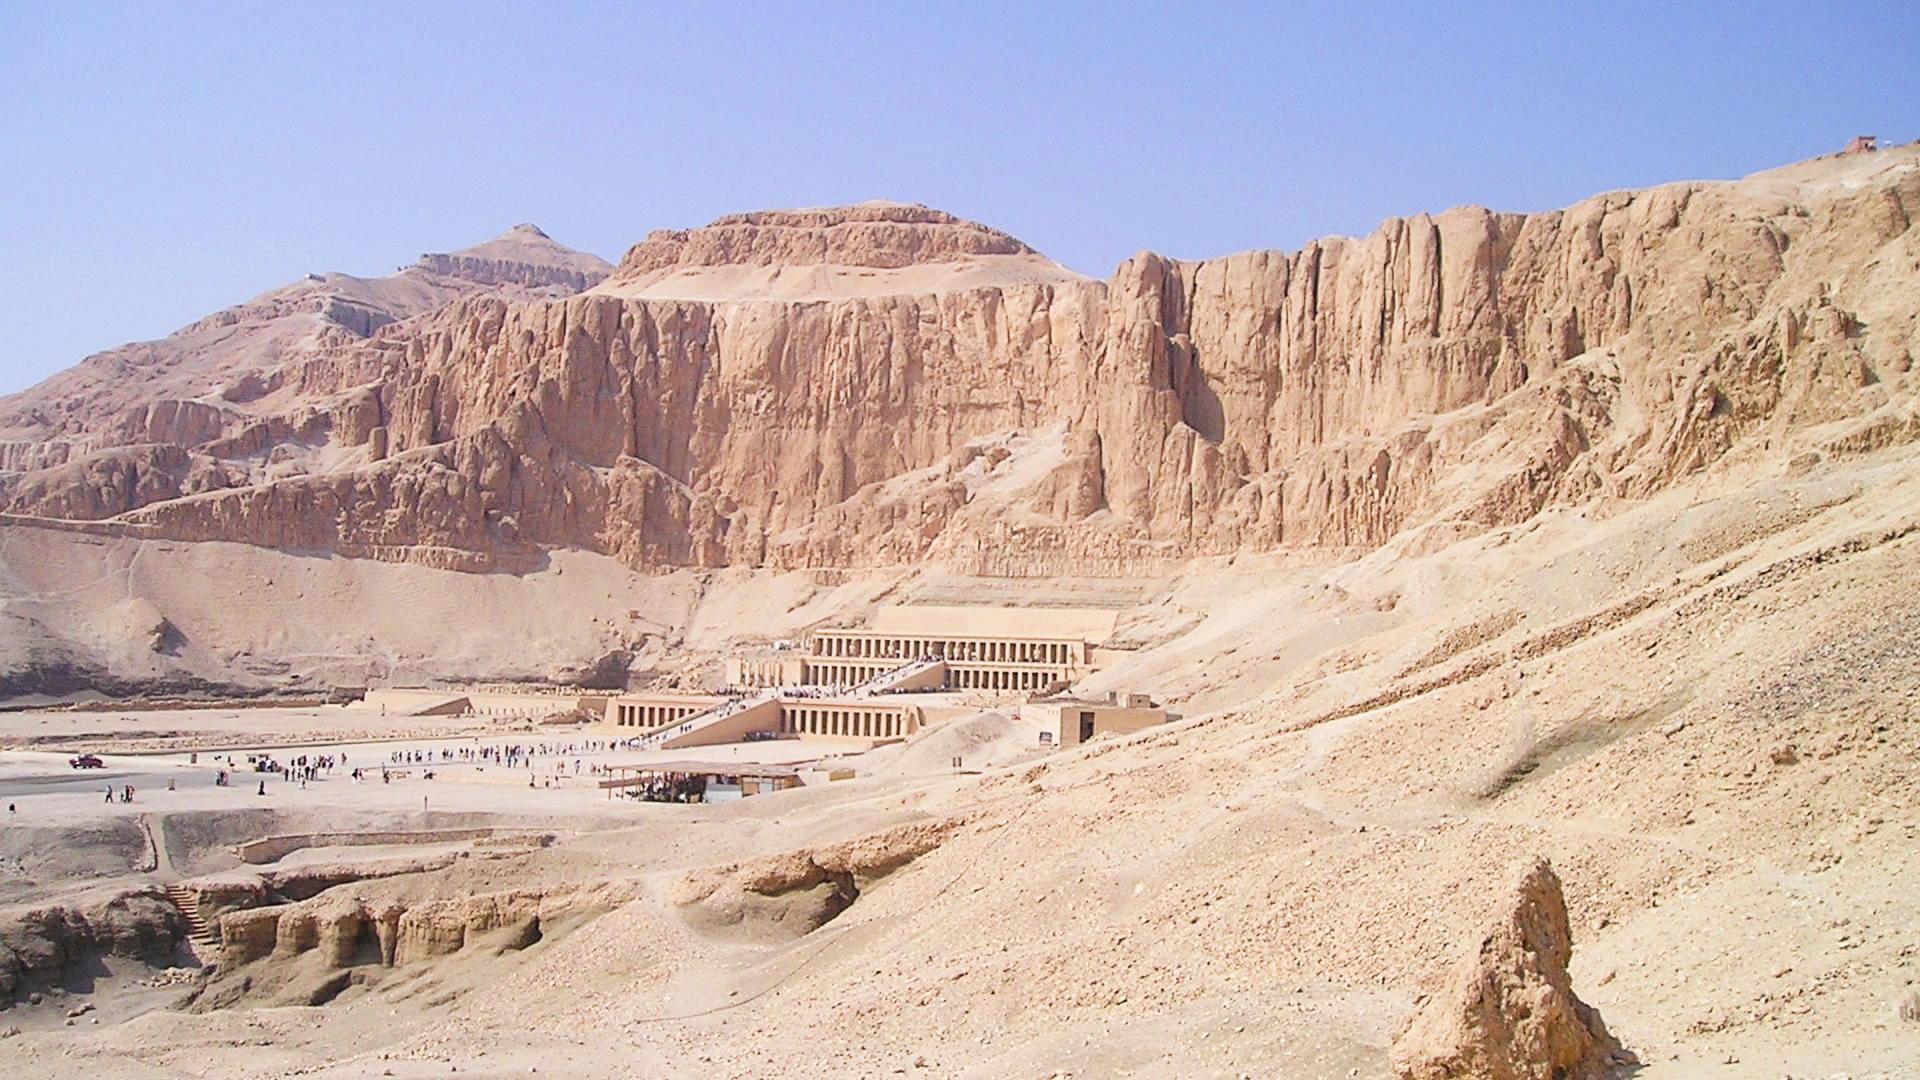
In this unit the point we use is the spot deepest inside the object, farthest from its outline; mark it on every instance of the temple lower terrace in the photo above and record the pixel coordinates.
(651, 711)
(670, 722)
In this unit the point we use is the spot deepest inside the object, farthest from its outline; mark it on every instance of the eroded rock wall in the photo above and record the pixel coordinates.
(343, 929)
(43, 941)
(1469, 367)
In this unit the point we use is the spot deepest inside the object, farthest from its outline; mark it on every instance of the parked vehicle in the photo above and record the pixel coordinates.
(88, 761)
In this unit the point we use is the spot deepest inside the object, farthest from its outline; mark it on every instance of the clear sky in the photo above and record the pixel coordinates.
(161, 161)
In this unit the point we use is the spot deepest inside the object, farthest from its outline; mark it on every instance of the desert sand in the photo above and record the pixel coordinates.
(1558, 650)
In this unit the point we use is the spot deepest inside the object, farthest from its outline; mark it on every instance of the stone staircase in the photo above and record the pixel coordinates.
(199, 929)
(697, 721)
(893, 675)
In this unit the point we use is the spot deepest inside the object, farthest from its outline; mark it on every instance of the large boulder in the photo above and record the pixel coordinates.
(1509, 1011)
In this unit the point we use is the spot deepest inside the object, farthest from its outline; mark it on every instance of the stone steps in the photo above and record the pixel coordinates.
(198, 928)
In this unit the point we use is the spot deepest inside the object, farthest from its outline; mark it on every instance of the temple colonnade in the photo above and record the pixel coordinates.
(867, 644)
(845, 720)
(643, 714)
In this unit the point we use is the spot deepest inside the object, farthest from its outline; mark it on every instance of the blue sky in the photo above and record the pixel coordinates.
(160, 161)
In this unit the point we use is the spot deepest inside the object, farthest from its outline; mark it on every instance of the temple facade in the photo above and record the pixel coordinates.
(645, 712)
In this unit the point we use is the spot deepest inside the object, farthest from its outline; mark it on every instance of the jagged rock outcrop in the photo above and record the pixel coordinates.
(41, 942)
(795, 892)
(876, 234)
(346, 929)
(1509, 1011)
(523, 256)
(211, 406)
(801, 389)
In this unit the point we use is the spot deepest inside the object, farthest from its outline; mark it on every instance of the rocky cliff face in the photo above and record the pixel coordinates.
(522, 256)
(209, 406)
(875, 234)
(970, 403)
(42, 943)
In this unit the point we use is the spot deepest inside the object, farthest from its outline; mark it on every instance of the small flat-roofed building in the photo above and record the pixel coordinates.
(700, 781)
(1077, 720)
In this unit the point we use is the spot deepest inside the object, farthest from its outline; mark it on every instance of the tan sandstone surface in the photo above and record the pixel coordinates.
(1588, 536)
(1456, 372)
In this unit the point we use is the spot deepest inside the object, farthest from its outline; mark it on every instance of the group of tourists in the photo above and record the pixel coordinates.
(677, 789)
(567, 758)
(512, 755)
(548, 763)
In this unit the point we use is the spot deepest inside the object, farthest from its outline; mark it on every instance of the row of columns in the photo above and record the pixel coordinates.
(847, 723)
(994, 650)
(821, 674)
(758, 671)
(963, 678)
(636, 714)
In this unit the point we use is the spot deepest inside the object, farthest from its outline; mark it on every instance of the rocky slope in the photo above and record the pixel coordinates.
(1459, 371)
(208, 407)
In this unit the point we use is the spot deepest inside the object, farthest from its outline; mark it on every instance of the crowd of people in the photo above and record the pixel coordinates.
(680, 789)
(512, 755)
(549, 763)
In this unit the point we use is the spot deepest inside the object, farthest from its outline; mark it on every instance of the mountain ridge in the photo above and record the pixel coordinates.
(1459, 371)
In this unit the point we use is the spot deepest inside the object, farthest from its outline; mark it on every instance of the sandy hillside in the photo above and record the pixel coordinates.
(1590, 536)
(1699, 708)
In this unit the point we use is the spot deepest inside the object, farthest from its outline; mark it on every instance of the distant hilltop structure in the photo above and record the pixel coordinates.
(1862, 144)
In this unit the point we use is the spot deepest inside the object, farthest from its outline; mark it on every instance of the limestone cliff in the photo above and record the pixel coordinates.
(208, 407)
(822, 388)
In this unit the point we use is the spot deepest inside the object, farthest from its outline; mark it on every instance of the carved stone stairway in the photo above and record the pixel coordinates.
(199, 929)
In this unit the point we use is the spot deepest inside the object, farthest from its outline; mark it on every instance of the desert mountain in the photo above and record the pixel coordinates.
(1535, 593)
(872, 249)
(883, 384)
(209, 407)
(205, 378)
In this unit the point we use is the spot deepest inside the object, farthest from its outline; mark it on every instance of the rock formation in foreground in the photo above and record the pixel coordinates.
(1509, 1011)
(43, 943)
(885, 384)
